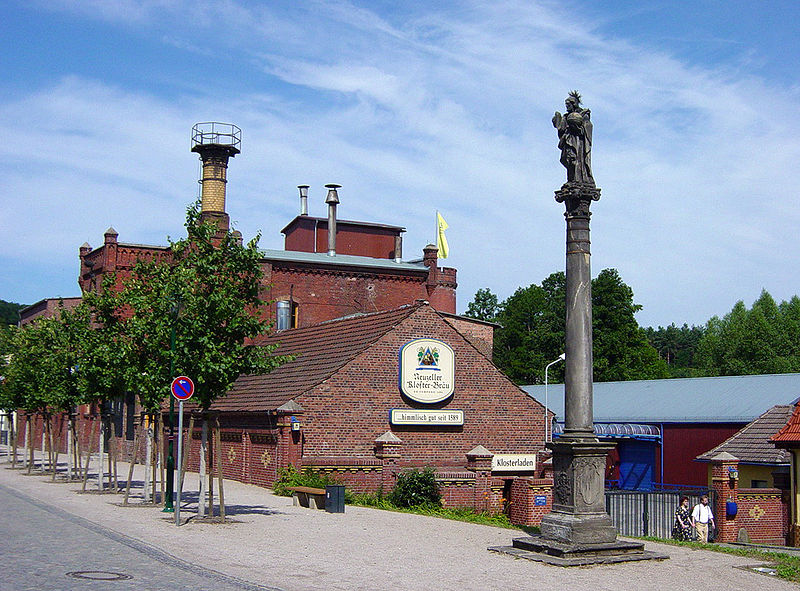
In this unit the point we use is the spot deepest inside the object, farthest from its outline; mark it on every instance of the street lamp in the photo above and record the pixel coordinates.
(547, 367)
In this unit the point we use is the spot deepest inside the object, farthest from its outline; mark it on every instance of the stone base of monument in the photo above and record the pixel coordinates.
(539, 549)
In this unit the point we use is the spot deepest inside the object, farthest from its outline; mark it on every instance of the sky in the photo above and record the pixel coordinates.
(414, 107)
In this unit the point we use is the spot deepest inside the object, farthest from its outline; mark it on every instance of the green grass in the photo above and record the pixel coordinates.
(786, 565)
(289, 476)
(379, 501)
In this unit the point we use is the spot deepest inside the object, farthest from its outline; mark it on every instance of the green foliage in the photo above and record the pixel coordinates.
(208, 294)
(44, 373)
(533, 332)
(9, 312)
(378, 500)
(678, 347)
(289, 476)
(416, 488)
(764, 339)
(484, 306)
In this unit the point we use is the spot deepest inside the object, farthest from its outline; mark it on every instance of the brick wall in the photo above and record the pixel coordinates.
(763, 513)
(326, 293)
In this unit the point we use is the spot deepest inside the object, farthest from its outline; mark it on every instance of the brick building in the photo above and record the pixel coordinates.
(337, 408)
(346, 304)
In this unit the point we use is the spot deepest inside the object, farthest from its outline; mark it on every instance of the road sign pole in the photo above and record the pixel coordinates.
(180, 464)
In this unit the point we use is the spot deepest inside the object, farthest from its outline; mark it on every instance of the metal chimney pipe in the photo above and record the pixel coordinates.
(398, 248)
(303, 199)
(332, 200)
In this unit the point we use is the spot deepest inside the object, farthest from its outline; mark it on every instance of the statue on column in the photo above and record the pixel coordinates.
(575, 140)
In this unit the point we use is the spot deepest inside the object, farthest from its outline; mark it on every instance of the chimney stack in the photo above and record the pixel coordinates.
(215, 143)
(332, 200)
(303, 199)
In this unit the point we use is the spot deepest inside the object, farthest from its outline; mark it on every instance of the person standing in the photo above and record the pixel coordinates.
(682, 529)
(702, 517)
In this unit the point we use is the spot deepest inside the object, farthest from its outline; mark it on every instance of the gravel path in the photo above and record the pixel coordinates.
(272, 543)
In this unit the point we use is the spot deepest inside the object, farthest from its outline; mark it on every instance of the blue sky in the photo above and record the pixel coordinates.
(413, 107)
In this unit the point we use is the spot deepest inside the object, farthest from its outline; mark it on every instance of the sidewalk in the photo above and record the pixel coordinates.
(272, 543)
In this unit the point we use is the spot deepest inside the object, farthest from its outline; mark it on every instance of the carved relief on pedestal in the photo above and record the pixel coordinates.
(562, 489)
(588, 479)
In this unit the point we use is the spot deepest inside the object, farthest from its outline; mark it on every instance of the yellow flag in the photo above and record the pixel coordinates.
(441, 239)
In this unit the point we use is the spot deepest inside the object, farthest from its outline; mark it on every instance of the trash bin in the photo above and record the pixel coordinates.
(334, 498)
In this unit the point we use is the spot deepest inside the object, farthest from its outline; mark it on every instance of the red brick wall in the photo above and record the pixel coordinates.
(325, 294)
(764, 514)
(479, 334)
(524, 491)
(344, 415)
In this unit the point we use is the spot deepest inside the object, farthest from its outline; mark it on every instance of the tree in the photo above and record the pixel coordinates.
(764, 339)
(484, 306)
(9, 312)
(678, 347)
(533, 332)
(621, 349)
(209, 292)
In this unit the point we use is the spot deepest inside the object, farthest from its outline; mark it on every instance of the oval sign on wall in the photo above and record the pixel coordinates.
(427, 370)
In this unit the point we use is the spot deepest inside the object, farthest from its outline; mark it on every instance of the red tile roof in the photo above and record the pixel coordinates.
(320, 350)
(790, 432)
(752, 444)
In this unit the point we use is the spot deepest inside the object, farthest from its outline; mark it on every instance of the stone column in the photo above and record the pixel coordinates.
(579, 458)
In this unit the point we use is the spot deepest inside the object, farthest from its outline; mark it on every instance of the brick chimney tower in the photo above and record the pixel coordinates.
(215, 143)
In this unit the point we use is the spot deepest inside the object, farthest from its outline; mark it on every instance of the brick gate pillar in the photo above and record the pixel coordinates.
(725, 482)
(387, 449)
(479, 460)
(290, 436)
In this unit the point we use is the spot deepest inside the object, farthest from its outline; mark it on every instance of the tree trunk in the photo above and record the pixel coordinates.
(70, 445)
(134, 455)
(187, 447)
(54, 449)
(92, 431)
(14, 442)
(161, 461)
(29, 442)
(44, 439)
(148, 460)
(101, 450)
(218, 454)
(201, 493)
(154, 458)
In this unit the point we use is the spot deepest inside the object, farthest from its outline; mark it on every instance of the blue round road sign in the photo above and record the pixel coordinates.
(182, 388)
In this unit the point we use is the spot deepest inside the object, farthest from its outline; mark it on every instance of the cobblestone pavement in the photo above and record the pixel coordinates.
(271, 543)
(45, 548)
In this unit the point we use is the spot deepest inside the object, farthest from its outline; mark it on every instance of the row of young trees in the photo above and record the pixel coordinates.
(762, 339)
(193, 314)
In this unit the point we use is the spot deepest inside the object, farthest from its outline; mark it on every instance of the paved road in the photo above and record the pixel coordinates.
(40, 545)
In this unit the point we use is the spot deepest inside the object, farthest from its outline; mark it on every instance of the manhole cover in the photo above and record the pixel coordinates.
(99, 575)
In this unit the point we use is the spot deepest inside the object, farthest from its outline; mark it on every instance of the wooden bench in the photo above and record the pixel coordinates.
(305, 496)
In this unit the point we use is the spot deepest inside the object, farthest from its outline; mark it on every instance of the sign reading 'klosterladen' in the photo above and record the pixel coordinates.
(513, 462)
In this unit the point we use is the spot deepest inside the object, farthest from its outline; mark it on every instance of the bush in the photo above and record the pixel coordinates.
(415, 488)
(289, 476)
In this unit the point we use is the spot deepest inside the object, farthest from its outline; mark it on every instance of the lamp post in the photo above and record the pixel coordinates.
(546, 368)
(169, 506)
